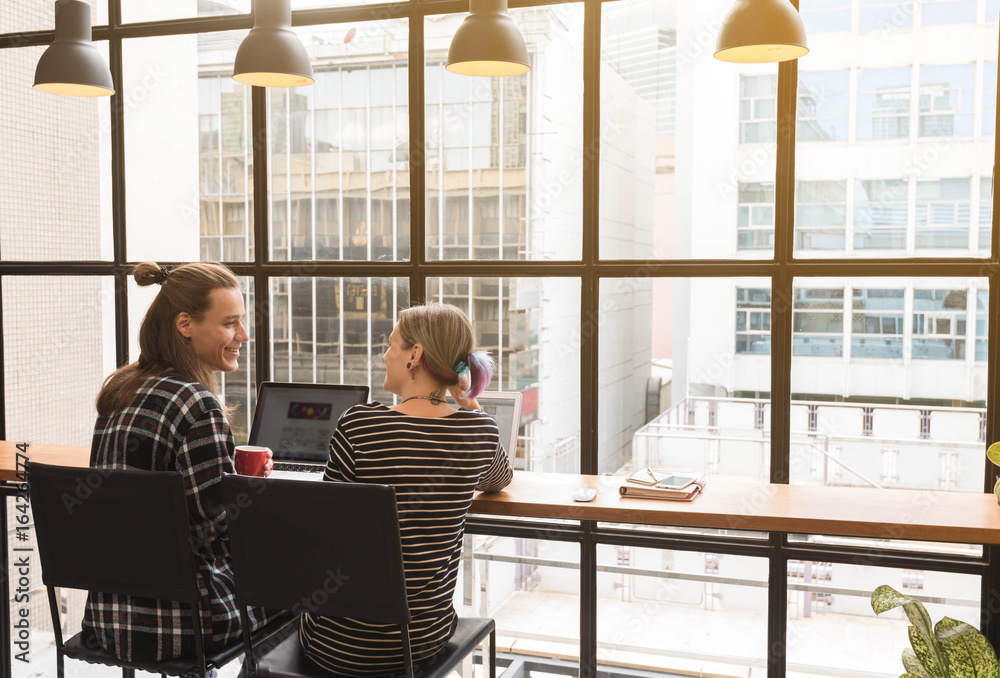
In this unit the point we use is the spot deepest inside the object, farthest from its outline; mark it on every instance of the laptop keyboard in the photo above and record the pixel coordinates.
(295, 466)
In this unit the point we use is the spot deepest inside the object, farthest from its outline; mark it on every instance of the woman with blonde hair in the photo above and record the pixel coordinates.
(436, 456)
(162, 413)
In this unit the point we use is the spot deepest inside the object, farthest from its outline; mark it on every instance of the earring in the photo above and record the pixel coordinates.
(409, 365)
(413, 374)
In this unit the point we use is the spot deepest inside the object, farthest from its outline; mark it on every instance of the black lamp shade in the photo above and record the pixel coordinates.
(71, 64)
(487, 43)
(761, 31)
(272, 55)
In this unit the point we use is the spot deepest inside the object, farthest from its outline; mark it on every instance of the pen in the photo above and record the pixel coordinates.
(652, 476)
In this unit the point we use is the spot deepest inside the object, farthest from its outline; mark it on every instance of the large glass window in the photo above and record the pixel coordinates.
(630, 300)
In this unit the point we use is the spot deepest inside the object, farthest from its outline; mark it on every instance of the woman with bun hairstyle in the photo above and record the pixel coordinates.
(436, 456)
(162, 413)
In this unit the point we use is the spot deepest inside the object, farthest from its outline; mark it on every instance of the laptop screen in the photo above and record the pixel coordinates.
(297, 420)
(505, 408)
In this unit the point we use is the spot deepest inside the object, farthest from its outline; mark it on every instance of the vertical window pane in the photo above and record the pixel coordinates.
(334, 330)
(671, 164)
(900, 405)
(55, 168)
(59, 343)
(660, 610)
(339, 165)
(820, 618)
(187, 149)
(530, 588)
(677, 391)
(508, 315)
(502, 180)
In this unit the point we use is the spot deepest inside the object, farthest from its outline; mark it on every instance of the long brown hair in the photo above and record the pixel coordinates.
(162, 349)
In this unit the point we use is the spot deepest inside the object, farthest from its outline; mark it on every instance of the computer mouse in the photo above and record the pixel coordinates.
(584, 494)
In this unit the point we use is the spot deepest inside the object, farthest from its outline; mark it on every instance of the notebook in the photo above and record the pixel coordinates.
(297, 421)
(505, 408)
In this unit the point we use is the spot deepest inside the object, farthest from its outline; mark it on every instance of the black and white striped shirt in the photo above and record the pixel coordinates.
(435, 465)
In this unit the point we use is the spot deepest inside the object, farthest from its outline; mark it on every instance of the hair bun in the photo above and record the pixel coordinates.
(149, 273)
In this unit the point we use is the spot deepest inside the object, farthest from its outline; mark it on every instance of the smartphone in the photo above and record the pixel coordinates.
(676, 482)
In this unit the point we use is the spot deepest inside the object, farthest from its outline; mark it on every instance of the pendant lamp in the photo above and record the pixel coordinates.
(71, 64)
(760, 31)
(487, 43)
(272, 55)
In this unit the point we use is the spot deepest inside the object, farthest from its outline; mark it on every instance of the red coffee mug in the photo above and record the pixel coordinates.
(251, 460)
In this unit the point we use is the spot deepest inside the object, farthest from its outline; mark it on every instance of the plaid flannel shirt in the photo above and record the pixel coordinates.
(172, 425)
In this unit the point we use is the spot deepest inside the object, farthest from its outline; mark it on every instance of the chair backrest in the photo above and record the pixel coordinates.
(113, 531)
(320, 547)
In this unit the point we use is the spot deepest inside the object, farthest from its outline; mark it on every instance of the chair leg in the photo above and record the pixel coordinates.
(128, 673)
(493, 653)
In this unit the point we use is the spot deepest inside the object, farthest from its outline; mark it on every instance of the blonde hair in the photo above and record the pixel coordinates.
(449, 344)
(162, 348)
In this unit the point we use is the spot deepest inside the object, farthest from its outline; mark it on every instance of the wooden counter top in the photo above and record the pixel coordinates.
(921, 515)
(59, 455)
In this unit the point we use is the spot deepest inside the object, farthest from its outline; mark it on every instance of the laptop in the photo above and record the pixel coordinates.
(505, 408)
(297, 421)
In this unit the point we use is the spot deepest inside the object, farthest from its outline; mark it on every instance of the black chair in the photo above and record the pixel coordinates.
(123, 532)
(345, 560)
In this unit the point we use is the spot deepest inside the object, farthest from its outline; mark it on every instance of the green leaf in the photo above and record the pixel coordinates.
(969, 653)
(926, 647)
(996, 490)
(930, 655)
(913, 666)
(994, 453)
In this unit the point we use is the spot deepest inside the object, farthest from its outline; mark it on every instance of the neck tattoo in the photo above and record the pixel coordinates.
(434, 399)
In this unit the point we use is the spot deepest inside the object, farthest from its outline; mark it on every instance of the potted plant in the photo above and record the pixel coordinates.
(949, 649)
(993, 453)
